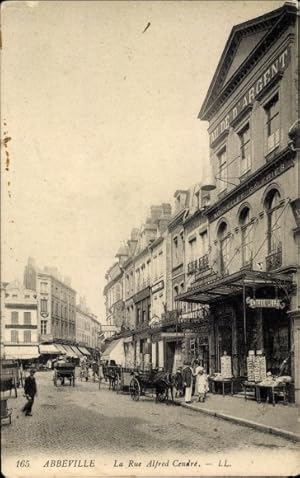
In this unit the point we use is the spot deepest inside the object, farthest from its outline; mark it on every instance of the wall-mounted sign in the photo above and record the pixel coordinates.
(278, 65)
(156, 287)
(44, 314)
(265, 303)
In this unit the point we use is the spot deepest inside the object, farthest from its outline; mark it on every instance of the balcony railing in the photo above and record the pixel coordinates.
(274, 260)
(198, 265)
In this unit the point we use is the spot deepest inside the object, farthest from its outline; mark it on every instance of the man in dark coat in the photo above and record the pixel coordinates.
(30, 391)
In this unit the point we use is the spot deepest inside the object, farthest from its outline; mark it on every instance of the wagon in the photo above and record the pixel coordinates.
(153, 381)
(64, 371)
(9, 376)
(125, 376)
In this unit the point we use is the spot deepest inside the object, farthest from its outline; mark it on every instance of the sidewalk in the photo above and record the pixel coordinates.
(282, 420)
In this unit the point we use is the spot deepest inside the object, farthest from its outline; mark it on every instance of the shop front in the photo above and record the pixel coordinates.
(249, 324)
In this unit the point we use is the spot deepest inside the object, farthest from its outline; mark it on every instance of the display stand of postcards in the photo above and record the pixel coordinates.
(256, 366)
(226, 366)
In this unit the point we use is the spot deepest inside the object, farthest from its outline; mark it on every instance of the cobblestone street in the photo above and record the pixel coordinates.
(84, 418)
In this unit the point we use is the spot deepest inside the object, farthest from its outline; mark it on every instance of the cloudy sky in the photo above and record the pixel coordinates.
(103, 123)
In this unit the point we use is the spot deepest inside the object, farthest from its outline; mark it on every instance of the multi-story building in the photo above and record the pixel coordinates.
(56, 303)
(87, 328)
(251, 287)
(20, 322)
(56, 307)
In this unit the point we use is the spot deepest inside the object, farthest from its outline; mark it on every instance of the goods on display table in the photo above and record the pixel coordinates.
(226, 366)
(256, 366)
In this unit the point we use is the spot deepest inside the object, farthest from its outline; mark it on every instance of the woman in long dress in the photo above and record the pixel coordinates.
(201, 383)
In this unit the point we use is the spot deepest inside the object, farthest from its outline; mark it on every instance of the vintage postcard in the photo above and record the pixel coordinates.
(150, 220)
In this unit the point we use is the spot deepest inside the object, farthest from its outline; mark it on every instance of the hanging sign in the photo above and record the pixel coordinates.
(265, 303)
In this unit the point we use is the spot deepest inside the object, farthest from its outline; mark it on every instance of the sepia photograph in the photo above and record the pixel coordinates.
(150, 238)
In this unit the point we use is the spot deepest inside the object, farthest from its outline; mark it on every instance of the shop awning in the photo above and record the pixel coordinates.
(48, 349)
(21, 352)
(84, 351)
(61, 349)
(209, 291)
(70, 352)
(77, 351)
(115, 351)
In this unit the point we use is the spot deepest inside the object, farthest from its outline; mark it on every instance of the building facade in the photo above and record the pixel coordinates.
(253, 278)
(87, 330)
(232, 246)
(20, 322)
(56, 308)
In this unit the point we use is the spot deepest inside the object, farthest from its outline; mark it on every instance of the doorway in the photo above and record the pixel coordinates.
(170, 354)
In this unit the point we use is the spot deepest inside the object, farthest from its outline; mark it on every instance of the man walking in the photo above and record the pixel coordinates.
(30, 392)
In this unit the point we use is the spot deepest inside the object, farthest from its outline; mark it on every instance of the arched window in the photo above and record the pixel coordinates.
(273, 209)
(246, 236)
(223, 237)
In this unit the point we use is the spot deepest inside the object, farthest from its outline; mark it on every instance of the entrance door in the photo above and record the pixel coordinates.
(170, 353)
(224, 341)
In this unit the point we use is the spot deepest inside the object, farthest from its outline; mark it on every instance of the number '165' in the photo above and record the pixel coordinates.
(23, 463)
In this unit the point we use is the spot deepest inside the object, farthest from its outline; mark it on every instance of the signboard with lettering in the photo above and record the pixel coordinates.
(278, 66)
(271, 171)
(157, 287)
(265, 303)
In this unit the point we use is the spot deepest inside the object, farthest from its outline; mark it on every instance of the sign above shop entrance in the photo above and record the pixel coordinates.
(265, 303)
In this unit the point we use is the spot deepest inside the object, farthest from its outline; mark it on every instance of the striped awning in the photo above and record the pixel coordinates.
(61, 349)
(48, 349)
(77, 351)
(70, 352)
(84, 351)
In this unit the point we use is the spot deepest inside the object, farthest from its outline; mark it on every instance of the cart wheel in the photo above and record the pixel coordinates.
(73, 381)
(55, 382)
(161, 392)
(135, 389)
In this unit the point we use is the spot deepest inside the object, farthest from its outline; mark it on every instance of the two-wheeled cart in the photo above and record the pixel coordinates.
(62, 372)
(154, 382)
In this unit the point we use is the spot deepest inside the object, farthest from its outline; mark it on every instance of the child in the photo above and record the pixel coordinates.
(201, 384)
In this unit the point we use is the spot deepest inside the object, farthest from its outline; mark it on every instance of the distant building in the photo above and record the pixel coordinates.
(87, 329)
(56, 308)
(30, 274)
(19, 322)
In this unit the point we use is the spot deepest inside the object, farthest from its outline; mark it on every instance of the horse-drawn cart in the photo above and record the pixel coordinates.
(153, 381)
(124, 379)
(9, 376)
(64, 371)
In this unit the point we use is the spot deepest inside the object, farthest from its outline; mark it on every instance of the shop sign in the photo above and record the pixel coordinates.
(252, 186)
(278, 65)
(265, 303)
(155, 288)
(205, 280)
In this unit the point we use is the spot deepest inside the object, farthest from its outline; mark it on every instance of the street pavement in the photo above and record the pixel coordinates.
(85, 419)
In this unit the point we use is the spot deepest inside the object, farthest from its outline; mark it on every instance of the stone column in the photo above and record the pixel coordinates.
(235, 362)
(295, 355)
(260, 330)
(212, 345)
